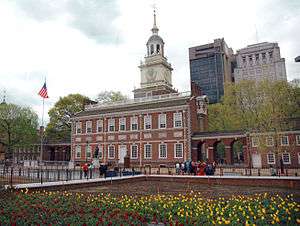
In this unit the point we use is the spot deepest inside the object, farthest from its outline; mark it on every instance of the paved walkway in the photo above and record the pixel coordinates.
(95, 180)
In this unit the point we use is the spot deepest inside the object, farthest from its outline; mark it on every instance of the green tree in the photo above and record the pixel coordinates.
(18, 126)
(59, 126)
(110, 96)
(261, 108)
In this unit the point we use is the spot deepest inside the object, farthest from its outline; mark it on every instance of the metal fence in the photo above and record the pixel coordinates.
(21, 175)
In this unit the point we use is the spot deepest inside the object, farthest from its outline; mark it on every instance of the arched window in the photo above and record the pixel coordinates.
(158, 48)
(219, 152)
(151, 49)
(237, 152)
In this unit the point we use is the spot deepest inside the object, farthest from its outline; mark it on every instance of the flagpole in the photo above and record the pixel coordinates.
(42, 132)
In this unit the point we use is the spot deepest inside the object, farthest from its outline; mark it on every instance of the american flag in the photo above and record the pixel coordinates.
(43, 92)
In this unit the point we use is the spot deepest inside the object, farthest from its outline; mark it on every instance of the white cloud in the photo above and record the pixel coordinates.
(96, 46)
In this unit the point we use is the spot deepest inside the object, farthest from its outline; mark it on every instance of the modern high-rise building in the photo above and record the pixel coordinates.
(211, 67)
(259, 62)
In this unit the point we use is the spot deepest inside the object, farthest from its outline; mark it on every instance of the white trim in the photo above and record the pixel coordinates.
(150, 145)
(162, 120)
(175, 150)
(77, 150)
(177, 117)
(298, 140)
(134, 121)
(78, 125)
(122, 121)
(111, 122)
(267, 141)
(274, 157)
(135, 112)
(281, 139)
(137, 151)
(299, 158)
(129, 131)
(148, 121)
(88, 125)
(114, 151)
(159, 151)
(99, 122)
(88, 150)
(289, 158)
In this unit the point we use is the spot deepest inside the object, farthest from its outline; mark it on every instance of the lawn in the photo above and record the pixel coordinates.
(73, 208)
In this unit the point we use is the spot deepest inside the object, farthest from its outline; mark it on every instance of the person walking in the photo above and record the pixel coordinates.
(85, 169)
(177, 167)
(91, 167)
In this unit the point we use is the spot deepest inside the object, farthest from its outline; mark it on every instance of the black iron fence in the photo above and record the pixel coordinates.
(20, 175)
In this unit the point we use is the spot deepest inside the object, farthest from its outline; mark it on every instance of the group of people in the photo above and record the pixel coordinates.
(88, 168)
(200, 168)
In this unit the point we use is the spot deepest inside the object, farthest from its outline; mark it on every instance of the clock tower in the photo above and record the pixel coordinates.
(156, 72)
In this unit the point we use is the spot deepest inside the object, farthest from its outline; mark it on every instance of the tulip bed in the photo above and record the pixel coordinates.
(66, 208)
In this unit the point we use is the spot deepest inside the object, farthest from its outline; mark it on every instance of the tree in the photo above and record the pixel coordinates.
(59, 127)
(259, 108)
(18, 126)
(110, 96)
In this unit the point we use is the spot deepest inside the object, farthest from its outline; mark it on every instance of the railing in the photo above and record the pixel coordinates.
(137, 100)
(20, 175)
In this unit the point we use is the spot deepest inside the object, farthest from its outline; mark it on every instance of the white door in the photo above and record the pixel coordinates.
(256, 160)
(122, 153)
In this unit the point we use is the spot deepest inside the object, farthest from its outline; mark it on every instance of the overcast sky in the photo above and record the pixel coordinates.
(88, 46)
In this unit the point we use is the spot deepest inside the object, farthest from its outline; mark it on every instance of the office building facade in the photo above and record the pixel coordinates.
(211, 67)
(260, 62)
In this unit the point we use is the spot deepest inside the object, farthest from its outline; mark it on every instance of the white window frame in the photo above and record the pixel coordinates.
(147, 122)
(78, 151)
(131, 151)
(160, 151)
(134, 121)
(88, 150)
(145, 151)
(270, 138)
(122, 122)
(111, 123)
(176, 151)
(177, 119)
(299, 158)
(100, 152)
(111, 149)
(298, 140)
(99, 125)
(78, 127)
(255, 142)
(162, 120)
(281, 139)
(289, 158)
(269, 157)
(88, 125)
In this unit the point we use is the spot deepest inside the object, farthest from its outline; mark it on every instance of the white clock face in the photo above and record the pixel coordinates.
(151, 75)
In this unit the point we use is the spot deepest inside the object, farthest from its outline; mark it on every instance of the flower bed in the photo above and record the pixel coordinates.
(65, 208)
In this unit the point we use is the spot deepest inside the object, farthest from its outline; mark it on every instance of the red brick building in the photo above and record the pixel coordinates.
(256, 150)
(155, 128)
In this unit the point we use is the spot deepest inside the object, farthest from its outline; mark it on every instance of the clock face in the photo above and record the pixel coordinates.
(151, 75)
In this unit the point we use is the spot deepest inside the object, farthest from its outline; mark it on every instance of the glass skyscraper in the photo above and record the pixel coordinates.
(210, 68)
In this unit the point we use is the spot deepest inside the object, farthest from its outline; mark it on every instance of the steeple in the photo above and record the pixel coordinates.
(155, 28)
